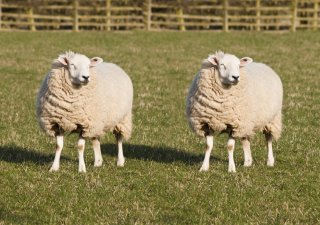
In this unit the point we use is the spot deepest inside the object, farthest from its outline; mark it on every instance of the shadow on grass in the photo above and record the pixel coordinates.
(15, 154)
(10, 217)
(158, 154)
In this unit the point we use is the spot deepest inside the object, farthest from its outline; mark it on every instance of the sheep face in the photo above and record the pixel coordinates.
(79, 67)
(228, 67)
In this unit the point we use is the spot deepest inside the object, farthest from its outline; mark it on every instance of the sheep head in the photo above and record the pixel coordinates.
(228, 66)
(78, 66)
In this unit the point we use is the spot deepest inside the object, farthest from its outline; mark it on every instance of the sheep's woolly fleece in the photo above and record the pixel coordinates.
(104, 104)
(254, 104)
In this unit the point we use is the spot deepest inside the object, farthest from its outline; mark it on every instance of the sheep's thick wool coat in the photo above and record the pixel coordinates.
(104, 104)
(254, 104)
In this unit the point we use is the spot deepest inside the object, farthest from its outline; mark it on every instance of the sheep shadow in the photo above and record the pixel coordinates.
(161, 154)
(19, 155)
(10, 217)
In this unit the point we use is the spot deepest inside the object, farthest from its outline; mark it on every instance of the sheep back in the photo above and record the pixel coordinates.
(116, 98)
(253, 104)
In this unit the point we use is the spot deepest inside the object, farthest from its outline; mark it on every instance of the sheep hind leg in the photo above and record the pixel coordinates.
(59, 145)
(230, 147)
(270, 161)
(209, 146)
(97, 152)
(121, 159)
(247, 152)
(81, 145)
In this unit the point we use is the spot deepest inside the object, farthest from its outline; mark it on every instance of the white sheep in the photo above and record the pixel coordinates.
(86, 96)
(237, 97)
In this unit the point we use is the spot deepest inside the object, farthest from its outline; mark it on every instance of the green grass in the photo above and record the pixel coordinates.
(160, 183)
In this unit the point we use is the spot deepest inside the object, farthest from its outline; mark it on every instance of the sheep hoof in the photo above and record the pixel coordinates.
(232, 169)
(120, 163)
(204, 168)
(98, 163)
(247, 163)
(82, 169)
(270, 163)
(54, 168)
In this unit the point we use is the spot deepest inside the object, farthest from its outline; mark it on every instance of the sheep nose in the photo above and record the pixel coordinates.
(85, 77)
(235, 77)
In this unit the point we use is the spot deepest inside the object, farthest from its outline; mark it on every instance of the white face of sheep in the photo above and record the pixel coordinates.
(79, 67)
(228, 67)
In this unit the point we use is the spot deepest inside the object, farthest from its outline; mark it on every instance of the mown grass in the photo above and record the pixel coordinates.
(160, 183)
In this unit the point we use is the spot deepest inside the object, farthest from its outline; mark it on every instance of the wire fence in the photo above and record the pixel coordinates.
(109, 15)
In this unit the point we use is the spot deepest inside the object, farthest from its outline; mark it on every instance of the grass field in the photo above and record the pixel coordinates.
(160, 183)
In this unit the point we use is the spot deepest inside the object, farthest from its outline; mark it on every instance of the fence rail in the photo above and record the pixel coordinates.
(77, 15)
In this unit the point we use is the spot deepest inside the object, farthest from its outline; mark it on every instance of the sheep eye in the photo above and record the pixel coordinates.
(73, 66)
(222, 65)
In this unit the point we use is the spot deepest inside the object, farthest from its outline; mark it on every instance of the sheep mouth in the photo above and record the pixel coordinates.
(79, 84)
(84, 82)
(235, 82)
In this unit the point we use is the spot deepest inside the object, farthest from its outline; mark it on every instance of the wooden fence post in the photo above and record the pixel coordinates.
(225, 16)
(75, 16)
(148, 14)
(258, 14)
(294, 15)
(108, 14)
(315, 14)
(31, 19)
(0, 14)
(182, 26)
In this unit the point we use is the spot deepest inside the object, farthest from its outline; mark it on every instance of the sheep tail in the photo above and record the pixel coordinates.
(275, 127)
(122, 131)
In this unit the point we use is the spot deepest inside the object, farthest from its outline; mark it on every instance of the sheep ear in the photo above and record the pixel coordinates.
(245, 61)
(63, 60)
(95, 61)
(213, 59)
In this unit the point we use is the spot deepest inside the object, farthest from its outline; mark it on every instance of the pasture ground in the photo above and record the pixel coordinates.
(160, 183)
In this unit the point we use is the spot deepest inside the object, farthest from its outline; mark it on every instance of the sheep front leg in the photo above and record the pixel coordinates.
(230, 146)
(270, 161)
(59, 145)
(206, 161)
(121, 159)
(81, 145)
(247, 152)
(97, 152)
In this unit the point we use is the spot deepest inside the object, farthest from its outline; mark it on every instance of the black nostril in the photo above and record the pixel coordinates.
(85, 77)
(235, 77)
